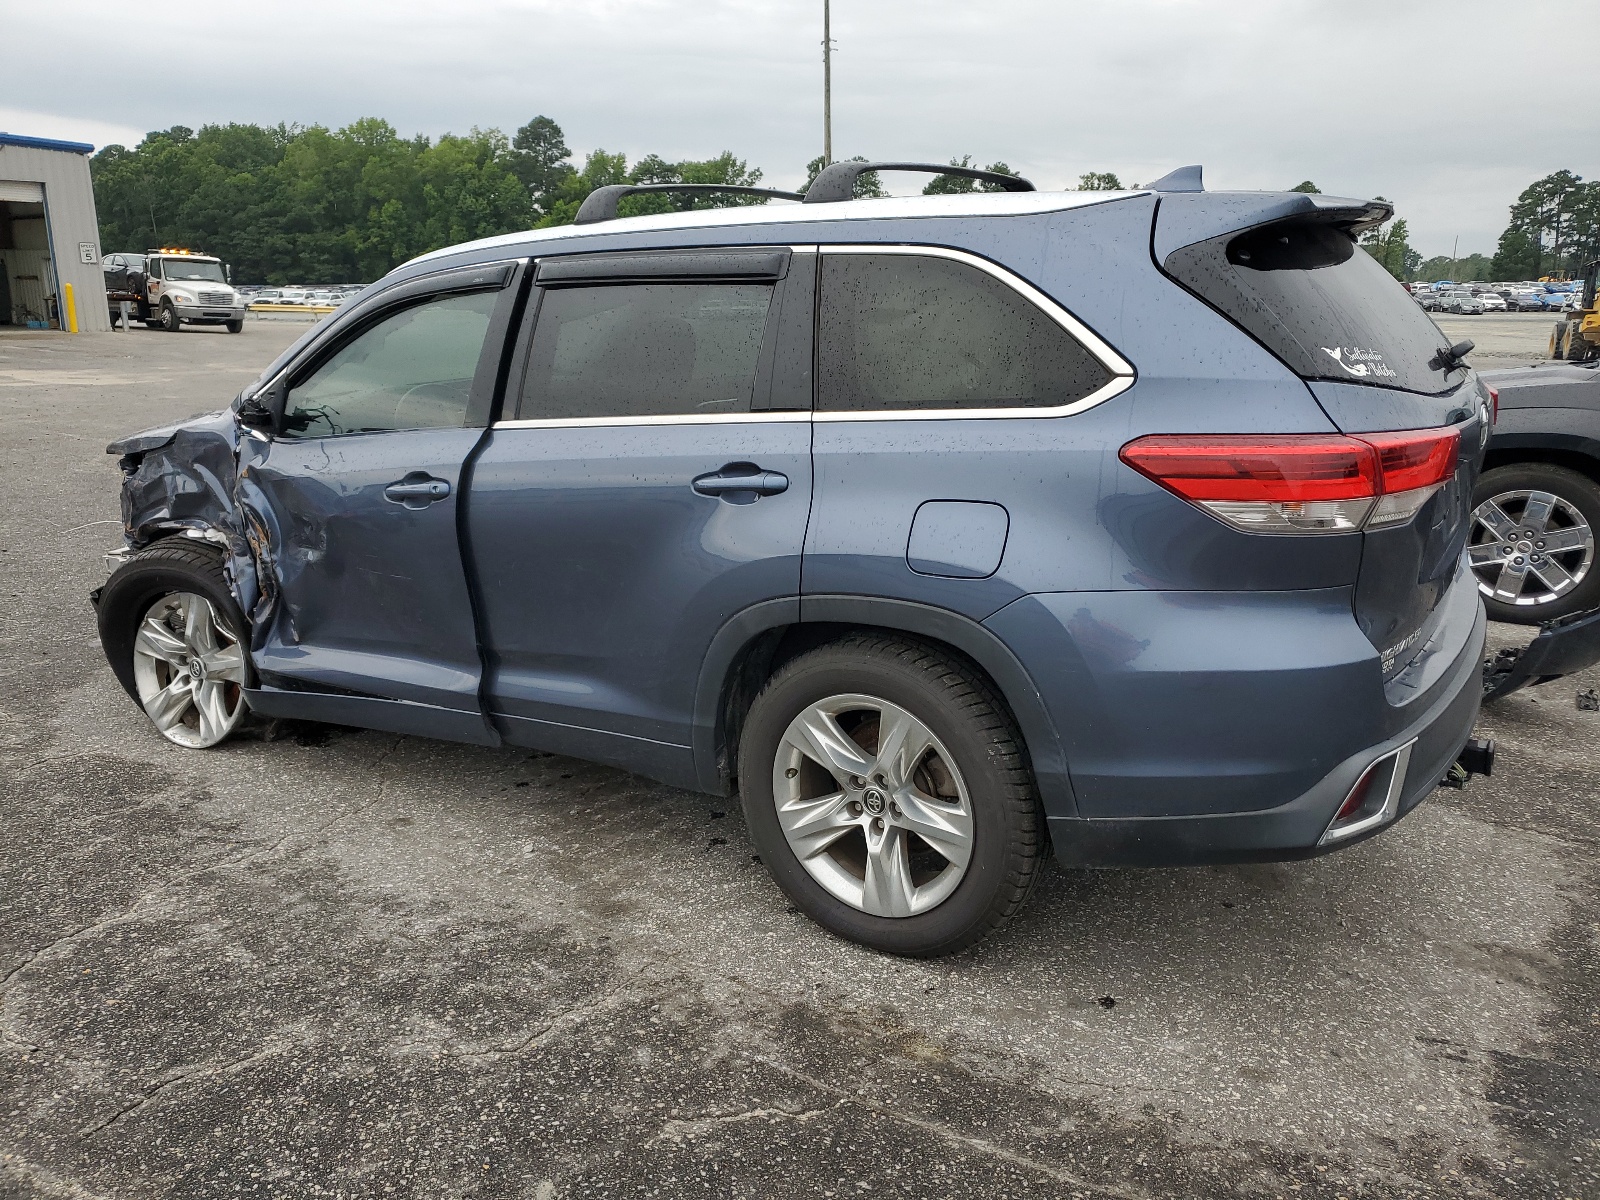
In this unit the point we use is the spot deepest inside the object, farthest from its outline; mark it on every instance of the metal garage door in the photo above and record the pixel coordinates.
(25, 193)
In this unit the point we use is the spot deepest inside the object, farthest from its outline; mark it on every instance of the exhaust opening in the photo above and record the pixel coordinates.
(1375, 798)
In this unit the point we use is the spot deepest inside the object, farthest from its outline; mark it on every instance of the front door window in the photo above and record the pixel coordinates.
(412, 370)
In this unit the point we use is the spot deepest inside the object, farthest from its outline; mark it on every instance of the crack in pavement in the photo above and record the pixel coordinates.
(681, 1127)
(954, 1137)
(535, 1039)
(175, 1077)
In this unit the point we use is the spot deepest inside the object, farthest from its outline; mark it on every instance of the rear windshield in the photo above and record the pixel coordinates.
(1319, 302)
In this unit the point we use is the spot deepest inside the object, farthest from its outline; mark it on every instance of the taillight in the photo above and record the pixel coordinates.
(1300, 483)
(1494, 406)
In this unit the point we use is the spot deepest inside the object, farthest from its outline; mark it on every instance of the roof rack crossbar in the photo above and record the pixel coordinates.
(601, 204)
(837, 181)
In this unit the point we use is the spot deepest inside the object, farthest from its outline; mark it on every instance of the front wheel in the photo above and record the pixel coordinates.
(889, 793)
(170, 321)
(235, 326)
(173, 634)
(1533, 542)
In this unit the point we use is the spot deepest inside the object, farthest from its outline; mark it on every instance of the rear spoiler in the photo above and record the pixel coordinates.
(1185, 218)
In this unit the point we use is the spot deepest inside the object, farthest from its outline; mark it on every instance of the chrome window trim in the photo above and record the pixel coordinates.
(745, 418)
(1122, 372)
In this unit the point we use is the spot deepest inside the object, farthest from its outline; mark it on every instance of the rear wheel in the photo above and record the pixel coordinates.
(174, 635)
(889, 793)
(1533, 542)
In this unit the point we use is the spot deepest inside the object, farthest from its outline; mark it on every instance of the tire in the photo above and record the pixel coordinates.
(170, 321)
(1579, 349)
(236, 326)
(972, 782)
(153, 645)
(1558, 340)
(1571, 581)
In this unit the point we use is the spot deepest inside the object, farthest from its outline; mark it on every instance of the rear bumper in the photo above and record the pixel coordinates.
(1292, 830)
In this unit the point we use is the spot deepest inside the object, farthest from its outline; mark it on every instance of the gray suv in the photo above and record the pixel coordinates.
(946, 531)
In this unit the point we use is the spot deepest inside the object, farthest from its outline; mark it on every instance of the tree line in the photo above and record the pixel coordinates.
(292, 204)
(313, 205)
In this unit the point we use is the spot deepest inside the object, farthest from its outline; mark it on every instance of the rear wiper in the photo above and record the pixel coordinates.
(1449, 359)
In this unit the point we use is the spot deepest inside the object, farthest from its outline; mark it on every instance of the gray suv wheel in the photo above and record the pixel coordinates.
(888, 792)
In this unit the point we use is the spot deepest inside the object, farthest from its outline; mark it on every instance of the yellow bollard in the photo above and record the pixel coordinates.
(72, 310)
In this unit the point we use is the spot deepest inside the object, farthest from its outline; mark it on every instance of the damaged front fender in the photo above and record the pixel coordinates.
(184, 480)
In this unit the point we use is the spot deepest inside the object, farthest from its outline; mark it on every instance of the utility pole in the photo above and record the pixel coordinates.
(1454, 246)
(827, 86)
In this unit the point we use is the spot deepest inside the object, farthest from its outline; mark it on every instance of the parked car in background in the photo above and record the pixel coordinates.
(1536, 507)
(1430, 300)
(1492, 301)
(1525, 300)
(1462, 304)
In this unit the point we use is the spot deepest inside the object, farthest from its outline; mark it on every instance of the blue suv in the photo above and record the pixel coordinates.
(942, 530)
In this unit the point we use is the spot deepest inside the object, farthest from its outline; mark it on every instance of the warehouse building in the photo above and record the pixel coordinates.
(49, 236)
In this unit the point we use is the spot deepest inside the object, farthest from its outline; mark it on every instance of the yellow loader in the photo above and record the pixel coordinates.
(1576, 337)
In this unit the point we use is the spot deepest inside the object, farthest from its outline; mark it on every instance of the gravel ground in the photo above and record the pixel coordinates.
(354, 964)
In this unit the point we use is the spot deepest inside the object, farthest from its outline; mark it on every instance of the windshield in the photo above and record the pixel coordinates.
(1319, 302)
(189, 270)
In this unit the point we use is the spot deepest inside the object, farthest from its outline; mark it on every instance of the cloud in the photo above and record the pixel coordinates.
(1447, 107)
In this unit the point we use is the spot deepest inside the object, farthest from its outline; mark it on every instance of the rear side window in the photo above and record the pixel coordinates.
(907, 332)
(1319, 302)
(645, 350)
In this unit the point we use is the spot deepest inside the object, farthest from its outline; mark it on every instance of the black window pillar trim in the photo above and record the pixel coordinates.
(494, 370)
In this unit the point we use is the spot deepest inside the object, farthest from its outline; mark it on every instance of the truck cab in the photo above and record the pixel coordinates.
(169, 288)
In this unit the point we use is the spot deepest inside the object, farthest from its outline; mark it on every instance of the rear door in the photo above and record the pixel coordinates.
(358, 498)
(653, 482)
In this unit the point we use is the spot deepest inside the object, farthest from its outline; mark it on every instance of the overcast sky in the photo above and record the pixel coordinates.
(1447, 107)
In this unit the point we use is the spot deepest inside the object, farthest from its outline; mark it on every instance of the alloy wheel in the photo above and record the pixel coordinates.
(190, 670)
(1529, 547)
(872, 805)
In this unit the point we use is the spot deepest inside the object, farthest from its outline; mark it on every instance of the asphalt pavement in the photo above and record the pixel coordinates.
(349, 964)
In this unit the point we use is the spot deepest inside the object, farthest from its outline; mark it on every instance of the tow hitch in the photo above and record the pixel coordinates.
(1564, 646)
(1476, 758)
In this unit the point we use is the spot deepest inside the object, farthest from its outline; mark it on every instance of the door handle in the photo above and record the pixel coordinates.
(736, 481)
(417, 490)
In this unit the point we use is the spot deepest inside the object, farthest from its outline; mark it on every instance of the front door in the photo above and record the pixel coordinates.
(360, 492)
(654, 483)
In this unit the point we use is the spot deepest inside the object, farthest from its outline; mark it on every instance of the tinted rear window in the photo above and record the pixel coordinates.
(645, 350)
(903, 332)
(1319, 302)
